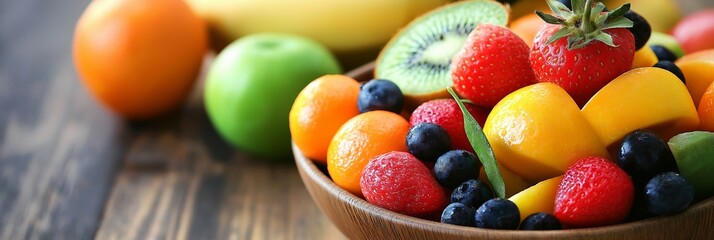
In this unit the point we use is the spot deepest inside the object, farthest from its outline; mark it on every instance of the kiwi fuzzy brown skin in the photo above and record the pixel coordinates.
(411, 100)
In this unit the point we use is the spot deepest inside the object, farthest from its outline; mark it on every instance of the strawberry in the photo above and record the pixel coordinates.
(446, 113)
(584, 49)
(399, 182)
(492, 64)
(594, 192)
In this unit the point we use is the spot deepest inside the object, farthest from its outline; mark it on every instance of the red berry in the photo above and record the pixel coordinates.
(584, 49)
(399, 182)
(583, 71)
(594, 192)
(492, 64)
(446, 113)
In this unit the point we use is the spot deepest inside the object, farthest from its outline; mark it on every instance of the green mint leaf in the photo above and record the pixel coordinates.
(482, 148)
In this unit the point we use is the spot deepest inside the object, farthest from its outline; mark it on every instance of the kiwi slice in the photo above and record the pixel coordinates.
(694, 154)
(418, 58)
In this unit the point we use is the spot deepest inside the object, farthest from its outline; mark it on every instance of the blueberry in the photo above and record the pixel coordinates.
(640, 29)
(472, 192)
(428, 141)
(498, 213)
(540, 221)
(455, 167)
(668, 193)
(379, 94)
(670, 66)
(643, 155)
(663, 53)
(458, 214)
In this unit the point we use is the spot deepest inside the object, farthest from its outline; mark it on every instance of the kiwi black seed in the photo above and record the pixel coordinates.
(418, 58)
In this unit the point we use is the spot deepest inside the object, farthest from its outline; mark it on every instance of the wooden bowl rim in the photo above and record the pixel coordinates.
(315, 174)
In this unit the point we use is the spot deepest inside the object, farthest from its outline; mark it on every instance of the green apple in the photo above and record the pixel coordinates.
(251, 86)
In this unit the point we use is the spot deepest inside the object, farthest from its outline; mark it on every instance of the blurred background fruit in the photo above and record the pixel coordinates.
(354, 30)
(695, 31)
(667, 41)
(251, 85)
(526, 27)
(139, 58)
(661, 14)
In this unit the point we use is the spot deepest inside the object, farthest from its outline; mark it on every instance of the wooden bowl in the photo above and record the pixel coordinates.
(358, 219)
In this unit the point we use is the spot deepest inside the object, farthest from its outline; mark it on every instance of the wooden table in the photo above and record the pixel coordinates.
(69, 169)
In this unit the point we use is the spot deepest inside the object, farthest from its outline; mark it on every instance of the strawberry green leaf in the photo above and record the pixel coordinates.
(549, 18)
(563, 32)
(619, 12)
(605, 38)
(482, 148)
(597, 11)
(578, 6)
(618, 23)
(559, 8)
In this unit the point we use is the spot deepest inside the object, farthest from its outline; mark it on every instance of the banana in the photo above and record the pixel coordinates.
(662, 15)
(341, 25)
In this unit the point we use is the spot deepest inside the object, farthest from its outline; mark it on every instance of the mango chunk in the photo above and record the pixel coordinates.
(642, 98)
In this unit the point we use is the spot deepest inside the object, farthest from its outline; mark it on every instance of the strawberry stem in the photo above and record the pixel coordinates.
(585, 22)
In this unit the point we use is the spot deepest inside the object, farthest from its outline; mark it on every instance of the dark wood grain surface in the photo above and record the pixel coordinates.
(69, 169)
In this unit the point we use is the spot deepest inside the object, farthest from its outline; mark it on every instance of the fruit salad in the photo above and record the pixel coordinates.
(590, 119)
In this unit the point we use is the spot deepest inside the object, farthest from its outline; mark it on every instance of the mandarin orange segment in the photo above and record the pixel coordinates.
(706, 110)
(359, 140)
(319, 111)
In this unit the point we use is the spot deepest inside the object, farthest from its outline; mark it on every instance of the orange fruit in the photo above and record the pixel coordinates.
(703, 55)
(526, 27)
(139, 58)
(706, 110)
(698, 77)
(319, 111)
(360, 139)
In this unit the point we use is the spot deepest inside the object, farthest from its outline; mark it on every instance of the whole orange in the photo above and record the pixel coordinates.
(139, 58)
(319, 111)
(359, 140)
